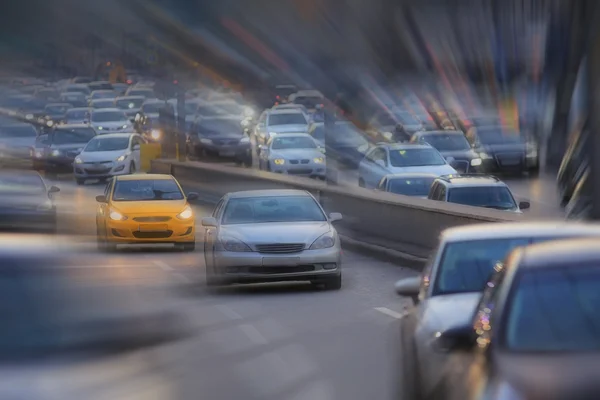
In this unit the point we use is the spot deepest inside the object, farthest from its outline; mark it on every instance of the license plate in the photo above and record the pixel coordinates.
(280, 261)
(153, 227)
(227, 153)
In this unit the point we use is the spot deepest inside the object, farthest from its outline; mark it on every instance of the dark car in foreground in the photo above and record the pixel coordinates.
(26, 203)
(222, 137)
(56, 150)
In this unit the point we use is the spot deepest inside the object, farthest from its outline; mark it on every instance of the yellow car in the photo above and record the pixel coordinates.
(145, 209)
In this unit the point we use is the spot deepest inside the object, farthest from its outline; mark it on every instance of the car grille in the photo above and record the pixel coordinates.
(151, 219)
(509, 159)
(301, 171)
(152, 235)
(97, 171)
(224, 142)
(281, 270)
(279, 248)
(299, 162)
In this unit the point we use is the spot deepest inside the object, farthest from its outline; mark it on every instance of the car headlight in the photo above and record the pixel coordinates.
(55, 153)
(245, 139)
(206, 141)
(485, 156)
(155, 134)
(50, 123)
(187, 213)
(279, 161)
(29, 116)
(235, 245)
(78, 160)
(116, 216)
(324, 242)
(46, 206)
(122, 157)
(38, 154)
(319, 160)
(532, 152)
(125, 126)
(475, 162)
(100, 128)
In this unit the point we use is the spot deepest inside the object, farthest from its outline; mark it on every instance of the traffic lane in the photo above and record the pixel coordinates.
(274, 341)
(539, 191)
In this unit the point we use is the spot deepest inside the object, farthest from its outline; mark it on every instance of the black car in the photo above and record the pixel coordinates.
(56, 112)
(26, 202)
(454, 147)
(346, 143)
(222, 137)
(76, 99)
(56, 150)
(504, 150)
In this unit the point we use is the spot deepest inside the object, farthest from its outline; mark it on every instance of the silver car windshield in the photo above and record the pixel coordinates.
(254, 210)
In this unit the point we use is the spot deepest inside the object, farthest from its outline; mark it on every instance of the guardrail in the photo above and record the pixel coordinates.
(401, 224)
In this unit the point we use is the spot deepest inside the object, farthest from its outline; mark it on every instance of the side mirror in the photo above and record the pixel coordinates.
(53, 189)
(136, 147)
(192, 196)
(209, 222)
(380, 163)
(409, 287)
(455, 339)
(335, 217)
(101, 198)
(524, 205)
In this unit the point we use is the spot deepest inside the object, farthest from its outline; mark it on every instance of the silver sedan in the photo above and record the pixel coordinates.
(293, 154)
(272, 235)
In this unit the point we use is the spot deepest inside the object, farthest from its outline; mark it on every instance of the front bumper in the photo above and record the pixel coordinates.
(509, 162)
(60, 163)
(135, 232)
(236, 151)
(100, 170)
(310, 170)
(254, 266)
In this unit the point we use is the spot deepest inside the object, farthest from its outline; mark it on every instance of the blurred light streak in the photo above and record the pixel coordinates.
(254, 43)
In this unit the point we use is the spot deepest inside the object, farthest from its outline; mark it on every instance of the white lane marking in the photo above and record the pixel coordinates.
(163, 265)
(388, 312)
(253, 334)
(227, 311)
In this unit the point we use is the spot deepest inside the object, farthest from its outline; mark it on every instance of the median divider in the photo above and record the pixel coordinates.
(383, 224)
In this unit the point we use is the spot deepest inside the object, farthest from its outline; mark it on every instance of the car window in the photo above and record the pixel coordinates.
(447, 142)
(72, 135)
(100, 143)
(42, 140)
(415, 157)
(410, 186)
(272, 209)
(21, 183)
(287, 119)
(108, 116)
(78, 114)
(129, 104)
(18, 131)
(147, 190)
(382, 184)
(489, 299)
(442, 193)
(497, 197)
(217, 208)
(293, 142)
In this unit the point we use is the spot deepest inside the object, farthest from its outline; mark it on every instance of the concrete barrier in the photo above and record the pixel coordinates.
(400, 224)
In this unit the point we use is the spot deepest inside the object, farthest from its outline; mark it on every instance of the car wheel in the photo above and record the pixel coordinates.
(334, 283)
(80, 181)
(361, 183)
(191, 246)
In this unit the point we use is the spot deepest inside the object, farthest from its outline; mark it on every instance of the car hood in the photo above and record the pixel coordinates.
(112, 124)
(276, 232)
(150, 207)
(432, 169)
(69, 146)
(101, 156)
(468, 154)
(447, 311)
(296, 154)
(295, 128)
(17, 142)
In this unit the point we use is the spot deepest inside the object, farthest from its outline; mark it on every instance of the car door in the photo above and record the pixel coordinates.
(382, 185)
(210, 234)
(102, 210)
(136, 147)
(377, 167)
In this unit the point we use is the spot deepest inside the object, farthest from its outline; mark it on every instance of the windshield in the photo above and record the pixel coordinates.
(147, 189)
(293, 142)
(191, 108)
(347, 134)
(554, 310)
(103, 95)
(47, 94)
(308, 101)
(410, 186)
(76, 97)
(109, 116)
(107, 144)
(18, 131)
(219, 127)
(77, 89)
(287, 119)
(148, 93)
(73, 135)
(103, 104)
(129, 104)
(57, 109)
(272, 209)
(447, 142)
(498, 197)
(415, 158)
(78, 114)
(152, 108)
(497, 136)
(21, 183)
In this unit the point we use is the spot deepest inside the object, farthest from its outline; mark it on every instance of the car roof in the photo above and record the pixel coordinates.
(130, 98)
(116, 135)
(79, 109)
(69, 126)
(287, 111)
(103, 110)
(506, 230)
(572, 252)
(470, 181)
(267, 193)
(103, 90)
(57, 104)
(144, 177)
(411, 175)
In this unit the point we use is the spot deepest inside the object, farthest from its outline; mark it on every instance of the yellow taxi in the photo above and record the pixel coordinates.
(145, 209)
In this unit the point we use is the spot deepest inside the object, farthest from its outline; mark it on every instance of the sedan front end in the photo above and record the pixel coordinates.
(310, 167)
(84, 169)
(238, 148)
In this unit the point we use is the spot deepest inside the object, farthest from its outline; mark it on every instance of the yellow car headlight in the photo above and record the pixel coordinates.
(279, 161)
(187, 213)
(116, 216)
(319, 160)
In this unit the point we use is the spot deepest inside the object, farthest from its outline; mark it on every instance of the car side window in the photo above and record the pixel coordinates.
(218, 208)
(378, 154)
(108, 188)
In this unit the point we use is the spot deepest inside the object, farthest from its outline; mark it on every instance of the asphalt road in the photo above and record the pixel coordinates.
(273, 341)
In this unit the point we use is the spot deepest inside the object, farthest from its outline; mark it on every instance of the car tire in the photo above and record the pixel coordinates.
(80, 181)
(334, 283)
(361, 183)
(191, 246)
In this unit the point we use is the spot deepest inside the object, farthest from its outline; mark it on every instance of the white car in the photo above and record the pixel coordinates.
(272, 235)
(293, 154)
(110, 120)
(400, 158)
(273, 122)
(450, 288)
(108, 155)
